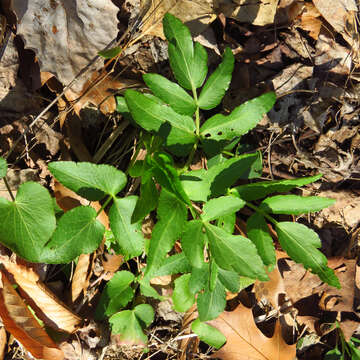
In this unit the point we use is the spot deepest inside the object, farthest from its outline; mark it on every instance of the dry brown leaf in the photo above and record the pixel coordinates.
(19, 321)
(274, 287)
(81, 277)
(3, 342)
(99, 91)
(256, 12)
(310, 20)
(336, 13)
(198, 14)
(65, 35)
(189, 346)
(47, 306)
(246, 342)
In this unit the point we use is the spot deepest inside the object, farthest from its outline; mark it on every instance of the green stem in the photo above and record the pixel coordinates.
(104, 205)
(138, 148)
(263, 213)
(197, 131)
(8, 189)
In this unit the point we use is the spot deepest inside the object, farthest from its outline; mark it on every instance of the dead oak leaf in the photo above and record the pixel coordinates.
(246, 342)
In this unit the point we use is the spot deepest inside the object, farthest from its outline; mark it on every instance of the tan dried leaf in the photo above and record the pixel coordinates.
(246, 342)
(81, 277)
(19, 321)
(198, 14)
(47, 306)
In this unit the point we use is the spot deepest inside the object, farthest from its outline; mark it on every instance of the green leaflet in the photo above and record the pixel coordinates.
(230, 279)
(27, 223)
(90, 181)
(235, 253)
(171, 93)
(201, 184)
(189, 64)
(128, 235)
(147, 202)
(174, 264)
(116, 294)
(295, 205)
(3, 167)
(227, 222)
(182, 297)
(211, 304)
(221, 206)
(242, 119)
(192, 241)
(301, 243)
(167, 176)
(261, 189)
(147, 290)
(218, 82)
(77, 232)
(258, 233)
(171, 220)
(177, 130)
(208, 334)
(110, 53)
(128, 324)
(199, 278)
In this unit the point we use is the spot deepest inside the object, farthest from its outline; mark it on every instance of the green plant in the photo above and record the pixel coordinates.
(346, 350)
(196, 207)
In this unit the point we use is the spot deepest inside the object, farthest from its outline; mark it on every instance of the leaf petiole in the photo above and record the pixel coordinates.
(104, 205)
(263, 213)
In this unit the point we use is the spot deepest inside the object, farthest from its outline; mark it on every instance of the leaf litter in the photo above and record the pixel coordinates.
(311, 61)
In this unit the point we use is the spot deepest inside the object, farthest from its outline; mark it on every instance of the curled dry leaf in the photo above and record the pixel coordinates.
(246, 342)
(66, 35)
(19, 321)
(81, 277)
(47, 306)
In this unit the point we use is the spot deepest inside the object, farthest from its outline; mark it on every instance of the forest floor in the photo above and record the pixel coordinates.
(308, 52)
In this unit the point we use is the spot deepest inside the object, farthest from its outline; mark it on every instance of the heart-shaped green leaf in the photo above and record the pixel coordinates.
(78, 232)
(27, 223)
(90, 181)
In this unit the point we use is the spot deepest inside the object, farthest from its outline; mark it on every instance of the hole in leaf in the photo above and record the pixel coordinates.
(207, 135)
(219, 133)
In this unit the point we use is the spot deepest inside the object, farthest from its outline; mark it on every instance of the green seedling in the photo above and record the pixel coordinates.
(197, 208)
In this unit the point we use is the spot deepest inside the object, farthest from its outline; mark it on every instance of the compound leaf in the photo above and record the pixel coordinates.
(258, 233)
(295, 205)
(259, 190)
(171, 93)
(27, 223)
(116, 294)
(171, 220)
(128, 235)
(177, 130)
(301, 243)
(221, 206)
(242, 119)
(3, 167)
(77, 232)
(90, 181)
(189, 64)
(208, 334)
(235, 253)
(218, 82)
